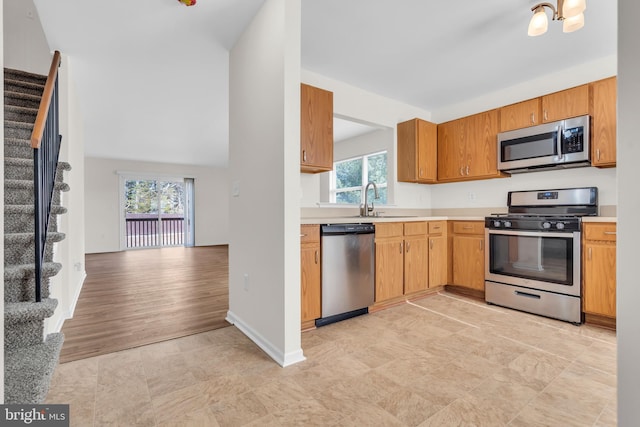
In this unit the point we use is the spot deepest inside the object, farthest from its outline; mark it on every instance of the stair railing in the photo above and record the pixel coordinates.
(45, 141)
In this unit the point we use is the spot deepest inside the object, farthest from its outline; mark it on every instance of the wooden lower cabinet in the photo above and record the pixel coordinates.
(411, 257)
(310, 284)
(599, 269)
(467, 254)
(389, 268)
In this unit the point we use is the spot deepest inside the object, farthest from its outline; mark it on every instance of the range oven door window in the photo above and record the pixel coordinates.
(538, 257)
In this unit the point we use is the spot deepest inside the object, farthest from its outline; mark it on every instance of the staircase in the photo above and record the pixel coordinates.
(30, 359)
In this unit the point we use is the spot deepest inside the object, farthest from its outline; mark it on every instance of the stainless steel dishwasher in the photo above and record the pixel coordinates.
(348, 270)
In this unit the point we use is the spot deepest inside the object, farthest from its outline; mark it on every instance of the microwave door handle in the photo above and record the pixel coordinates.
(559, 142)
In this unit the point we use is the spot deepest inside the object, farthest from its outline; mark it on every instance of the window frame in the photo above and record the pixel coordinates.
(333, 191)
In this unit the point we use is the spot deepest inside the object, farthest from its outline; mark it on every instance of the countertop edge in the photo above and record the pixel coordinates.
(371, 220)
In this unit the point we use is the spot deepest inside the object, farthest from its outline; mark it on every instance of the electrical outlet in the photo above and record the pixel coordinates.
(472, 196)
(235, 189)
(246, 282)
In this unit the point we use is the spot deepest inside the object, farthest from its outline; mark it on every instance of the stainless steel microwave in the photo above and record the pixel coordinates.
(561, 144)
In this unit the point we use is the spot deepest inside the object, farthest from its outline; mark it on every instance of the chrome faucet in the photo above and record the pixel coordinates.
(365, 209)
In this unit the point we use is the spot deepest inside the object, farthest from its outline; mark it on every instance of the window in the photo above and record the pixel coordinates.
(350, 176)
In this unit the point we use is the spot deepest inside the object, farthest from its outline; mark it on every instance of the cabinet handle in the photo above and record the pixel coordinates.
(400, 247)
(461, 170)
(304, 155)
(431, 244)
(598, 154)
(481, 245)
(316, 256)
(589, 254)
(303, 235)
(546, 116)
(467, 170)
(467, 227)
(420, 171)
(437, 227)
(533, 118)
(610, 233)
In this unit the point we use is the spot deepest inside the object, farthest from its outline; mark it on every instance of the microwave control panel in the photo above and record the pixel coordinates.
(573, 140)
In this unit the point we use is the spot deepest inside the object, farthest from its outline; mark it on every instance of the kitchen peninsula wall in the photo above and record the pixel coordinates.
(477, 195)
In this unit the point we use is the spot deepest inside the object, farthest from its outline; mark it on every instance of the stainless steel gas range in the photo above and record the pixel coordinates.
(532, 256)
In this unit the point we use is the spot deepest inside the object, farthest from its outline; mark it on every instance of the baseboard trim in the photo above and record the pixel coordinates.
(76, 296)
(282, 359)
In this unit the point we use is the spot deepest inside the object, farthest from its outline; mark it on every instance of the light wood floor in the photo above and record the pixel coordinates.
(134, 298)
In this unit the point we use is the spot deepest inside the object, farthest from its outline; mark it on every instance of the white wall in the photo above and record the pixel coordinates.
(102, 203)
(26, 46)
(628, 291)
(492, 193)
(66, 285)
(549, 83)
(264, 146)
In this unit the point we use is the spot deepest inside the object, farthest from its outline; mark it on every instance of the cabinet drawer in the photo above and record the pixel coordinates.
(415, 228)
(468, 227)
(605, 231)
(437, 227)
(388, 229)
(309, 233)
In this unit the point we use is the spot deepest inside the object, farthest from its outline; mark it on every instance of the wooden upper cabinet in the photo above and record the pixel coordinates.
(450, 150)
(467, 148)
(520, 115)
(417, 151)
(603, 122)
(316, 129)
(567, 103)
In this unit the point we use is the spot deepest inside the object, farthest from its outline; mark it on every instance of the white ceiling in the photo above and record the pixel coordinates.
(152, 74)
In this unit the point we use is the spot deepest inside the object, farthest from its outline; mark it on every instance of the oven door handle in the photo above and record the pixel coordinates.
(566, 235)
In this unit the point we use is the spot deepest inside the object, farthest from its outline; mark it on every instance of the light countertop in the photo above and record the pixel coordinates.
(372, 219)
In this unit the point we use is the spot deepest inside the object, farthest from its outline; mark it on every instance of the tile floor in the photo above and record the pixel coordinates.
(441, 361)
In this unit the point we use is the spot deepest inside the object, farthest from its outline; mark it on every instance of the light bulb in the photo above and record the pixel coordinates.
(539, 22)
(572, 8)
(574, 23)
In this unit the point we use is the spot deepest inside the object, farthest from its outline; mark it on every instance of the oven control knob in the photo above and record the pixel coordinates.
(496, 223)
(507, 223)
(560, 226)
(546, 225)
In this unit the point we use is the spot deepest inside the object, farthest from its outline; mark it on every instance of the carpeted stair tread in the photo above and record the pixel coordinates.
(26, 184)
(27, 238)
(28, 371)
(20, 312)
(14, 74)
(20, 114)
(21, 99)
(29, 209)
(29, 361)
(20, 271)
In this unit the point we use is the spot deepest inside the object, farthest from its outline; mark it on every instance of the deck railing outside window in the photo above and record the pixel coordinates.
(147, 230)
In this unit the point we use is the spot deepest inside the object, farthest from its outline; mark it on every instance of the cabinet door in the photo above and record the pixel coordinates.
(389, 269)
(437, 261)
(417, 151)
(599, 278)
(520, 115)
(427, 151)
(416, 264)
(316, 129)
(481, 145)
(468, 261)
(310, 283)
(450, 150)
(566, 103)
(603, 123)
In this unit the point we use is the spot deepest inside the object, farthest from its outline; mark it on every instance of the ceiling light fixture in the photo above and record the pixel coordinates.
(570, 12)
